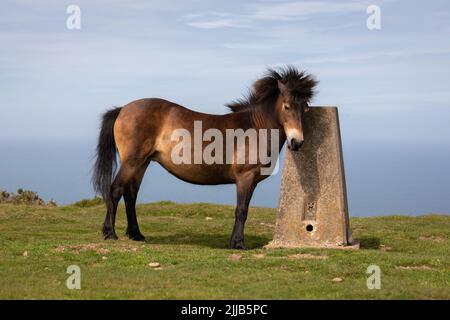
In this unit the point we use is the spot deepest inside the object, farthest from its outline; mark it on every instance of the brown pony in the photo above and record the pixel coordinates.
(142, 131)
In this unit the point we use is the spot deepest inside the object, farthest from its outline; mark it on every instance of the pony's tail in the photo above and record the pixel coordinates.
(106, 162)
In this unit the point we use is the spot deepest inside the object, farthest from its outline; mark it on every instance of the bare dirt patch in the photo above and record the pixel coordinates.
(76, 249)
(306, 256)
(432, 238)
(385, 248)
(292, 256)
(99, 248)
(235, 257)
(417, 267)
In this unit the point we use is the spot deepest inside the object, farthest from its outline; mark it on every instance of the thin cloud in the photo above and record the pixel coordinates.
(254, 46)
(296, 10)
(214, 24)
(286, 11)
(215, 20)
(386, 54)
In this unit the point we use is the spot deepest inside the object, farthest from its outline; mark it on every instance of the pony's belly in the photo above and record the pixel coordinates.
(197, 173)
(200, 174)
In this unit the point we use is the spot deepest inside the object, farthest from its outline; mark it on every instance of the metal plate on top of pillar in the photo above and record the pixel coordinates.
(313, 210)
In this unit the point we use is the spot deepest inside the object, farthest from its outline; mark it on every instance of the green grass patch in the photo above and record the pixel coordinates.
(86, 203)
(189, 241)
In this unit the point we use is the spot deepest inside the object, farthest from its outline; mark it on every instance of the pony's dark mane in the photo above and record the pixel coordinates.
(265, 90)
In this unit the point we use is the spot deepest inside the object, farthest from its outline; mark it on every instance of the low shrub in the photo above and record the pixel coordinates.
(22, 196)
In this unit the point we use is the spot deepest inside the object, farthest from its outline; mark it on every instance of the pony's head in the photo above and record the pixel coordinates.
(295, 91)
(283, 94)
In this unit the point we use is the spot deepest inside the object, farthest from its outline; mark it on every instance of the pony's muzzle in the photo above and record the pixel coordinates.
(294, 144)
(294, 138)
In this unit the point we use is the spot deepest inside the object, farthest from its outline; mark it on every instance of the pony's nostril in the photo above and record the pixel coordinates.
(294, 144)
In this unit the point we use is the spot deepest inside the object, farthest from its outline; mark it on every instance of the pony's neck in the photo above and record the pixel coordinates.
(267, 118)
(259, 119)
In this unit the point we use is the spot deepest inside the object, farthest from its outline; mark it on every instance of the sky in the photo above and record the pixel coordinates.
(391, 85)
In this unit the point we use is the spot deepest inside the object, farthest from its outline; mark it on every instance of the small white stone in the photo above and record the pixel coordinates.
(337, 279)
(154, 265)
(25, 253)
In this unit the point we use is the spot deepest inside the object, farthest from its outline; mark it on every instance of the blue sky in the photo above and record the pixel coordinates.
(55, 82)
(391, 85)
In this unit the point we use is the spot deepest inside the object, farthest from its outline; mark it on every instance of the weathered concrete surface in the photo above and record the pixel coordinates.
(313, 211)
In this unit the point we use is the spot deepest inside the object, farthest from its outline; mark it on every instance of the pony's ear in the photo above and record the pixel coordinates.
(281, 86)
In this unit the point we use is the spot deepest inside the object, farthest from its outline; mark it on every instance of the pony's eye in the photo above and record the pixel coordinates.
(286, 106)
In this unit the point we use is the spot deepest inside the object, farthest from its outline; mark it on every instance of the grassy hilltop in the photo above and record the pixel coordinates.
(189, 241)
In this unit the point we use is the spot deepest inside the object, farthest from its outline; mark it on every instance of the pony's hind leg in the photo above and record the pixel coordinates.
(123, 178)
(130, 196)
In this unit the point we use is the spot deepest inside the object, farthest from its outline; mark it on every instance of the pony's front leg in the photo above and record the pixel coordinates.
(244, 186)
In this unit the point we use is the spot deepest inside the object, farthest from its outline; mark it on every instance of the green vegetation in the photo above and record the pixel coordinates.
(189, 241)
(24, 197)
(86, 203)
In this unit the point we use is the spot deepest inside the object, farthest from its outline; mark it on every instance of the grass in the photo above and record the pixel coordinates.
(37, 244)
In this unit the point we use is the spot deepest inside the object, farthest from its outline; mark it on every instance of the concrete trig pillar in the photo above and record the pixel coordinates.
(313, 209)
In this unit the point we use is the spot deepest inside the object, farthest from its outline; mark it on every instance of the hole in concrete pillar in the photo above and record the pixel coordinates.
(309, 228)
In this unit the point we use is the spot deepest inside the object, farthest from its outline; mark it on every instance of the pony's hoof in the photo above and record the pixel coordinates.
(111, 236)
(137, 237)
(238, 246)
(134, 234)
